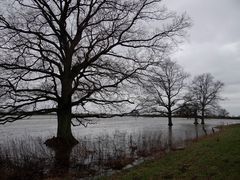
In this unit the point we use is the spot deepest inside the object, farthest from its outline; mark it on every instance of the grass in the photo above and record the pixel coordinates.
(30, 158)
(213, 157)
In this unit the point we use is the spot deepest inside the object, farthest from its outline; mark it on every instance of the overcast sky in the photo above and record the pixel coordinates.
(213, 44)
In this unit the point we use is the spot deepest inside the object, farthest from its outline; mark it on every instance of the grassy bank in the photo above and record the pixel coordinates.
(214, 157)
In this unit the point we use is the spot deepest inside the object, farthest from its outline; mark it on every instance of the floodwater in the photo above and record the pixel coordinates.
(45, 127)
(104, 146)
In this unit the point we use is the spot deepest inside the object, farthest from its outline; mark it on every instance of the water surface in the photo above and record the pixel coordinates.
(106, 144)
(45, 127)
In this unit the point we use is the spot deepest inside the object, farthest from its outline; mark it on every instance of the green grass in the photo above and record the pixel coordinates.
(214, 157)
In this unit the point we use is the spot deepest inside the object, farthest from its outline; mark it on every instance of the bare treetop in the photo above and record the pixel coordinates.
(205, 92)
(164, 89)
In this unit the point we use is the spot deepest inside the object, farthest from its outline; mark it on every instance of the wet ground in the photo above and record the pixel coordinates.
(104, 146)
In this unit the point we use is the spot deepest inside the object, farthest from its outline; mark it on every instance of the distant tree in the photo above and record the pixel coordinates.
(188, 109)
(164, 88)
(184, 110)
(204, 91)
(222, 113)
(190, 106)
(60, 56)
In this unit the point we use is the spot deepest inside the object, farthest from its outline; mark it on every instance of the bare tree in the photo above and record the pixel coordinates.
(60, 56)
(164, 88)
(189, 107)
(222, 113)
(204, 91)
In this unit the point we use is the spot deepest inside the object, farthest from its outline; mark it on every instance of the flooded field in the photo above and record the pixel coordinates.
(45, 127)
(105, 145)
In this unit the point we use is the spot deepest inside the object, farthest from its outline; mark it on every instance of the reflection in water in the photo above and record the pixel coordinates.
(170, 139)
(196, 131)
(204, 129)
(61, 162)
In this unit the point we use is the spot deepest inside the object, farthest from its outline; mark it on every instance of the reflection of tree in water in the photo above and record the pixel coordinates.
(62, 154)
(196, 131)
(170, 138)
(200, 130)
(204, 129)
(62, 160)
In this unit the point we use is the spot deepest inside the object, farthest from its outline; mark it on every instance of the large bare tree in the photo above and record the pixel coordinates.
(57, 56)
(164, 88)
(204, 91)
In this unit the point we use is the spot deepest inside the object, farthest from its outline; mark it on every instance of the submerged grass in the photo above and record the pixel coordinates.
(29, 158)
(215, 157)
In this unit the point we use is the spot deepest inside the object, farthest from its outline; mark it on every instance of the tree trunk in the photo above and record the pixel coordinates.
(203, 116)
(64, 126)
(195, 117)
(64, 140)
(64, 113)
(170, 119)
(195, 121)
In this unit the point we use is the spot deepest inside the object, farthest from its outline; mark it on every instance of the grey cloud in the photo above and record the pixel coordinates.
(214, 44)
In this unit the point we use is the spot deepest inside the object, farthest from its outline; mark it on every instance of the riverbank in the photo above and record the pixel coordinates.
(214, 157)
